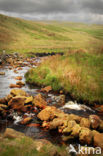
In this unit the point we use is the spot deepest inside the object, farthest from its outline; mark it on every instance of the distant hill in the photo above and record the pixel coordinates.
(25, 36)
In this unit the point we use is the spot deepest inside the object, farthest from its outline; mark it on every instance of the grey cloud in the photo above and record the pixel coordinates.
(72, 10)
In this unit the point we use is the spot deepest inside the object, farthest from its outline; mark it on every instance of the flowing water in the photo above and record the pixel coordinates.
(35, 131)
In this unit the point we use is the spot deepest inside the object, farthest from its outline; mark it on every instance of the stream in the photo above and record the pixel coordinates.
(35, 131)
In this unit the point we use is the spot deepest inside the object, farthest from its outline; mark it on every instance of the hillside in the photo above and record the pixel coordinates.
(25, 36)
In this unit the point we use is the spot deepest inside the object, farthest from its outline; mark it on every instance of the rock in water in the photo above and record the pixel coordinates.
(2, 73)
(17, 92)
(17, 102)
(39, 101)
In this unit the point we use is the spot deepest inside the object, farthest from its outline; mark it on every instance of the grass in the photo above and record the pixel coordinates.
(42, 36)
(78, 73)
(27, 147)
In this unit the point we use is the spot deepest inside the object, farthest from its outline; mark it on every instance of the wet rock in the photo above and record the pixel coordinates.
(47, 114)
(3, 100)
(2, 73)
(85, 122)
(8, 97)
(14, 86)
(98, 139)
(17, 102)
(10, 61)
(15, 71)
(60, 100)
(94, 121)
(75, 117)
(1, 61)
(46, 89)
(28, 100)
(56, 123)
(67, 137)
(39, 101)
(85, 136)
(76, 130)
(19, 68)
(17, 92)
(12, 134)
(26, 120)
(18, 78)
(20, 83)
(3, 106)
(70, 126)
(101, 126)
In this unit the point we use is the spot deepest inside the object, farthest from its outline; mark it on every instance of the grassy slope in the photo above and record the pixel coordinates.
(78, 73)
(85, 70)
(25, 36)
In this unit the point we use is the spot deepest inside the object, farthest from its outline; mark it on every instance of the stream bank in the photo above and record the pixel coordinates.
(34, 126)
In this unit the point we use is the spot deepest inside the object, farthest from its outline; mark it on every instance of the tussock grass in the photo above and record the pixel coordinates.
(78, 73)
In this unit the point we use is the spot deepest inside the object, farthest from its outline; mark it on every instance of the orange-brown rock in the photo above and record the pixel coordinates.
(12, 134)
(18, 78)
(85, 136)
(85, 122)
(98, 139)
(20, 83)
(3, 100)
(39, 101)
(17, 102)
(15, 71)
(29, 100)
(17, 92)
(14, 86)
(75, 117)
(46, 89)
(26, 120)
(94, 121)
(47, 114)
(19, 68)
(69, 127)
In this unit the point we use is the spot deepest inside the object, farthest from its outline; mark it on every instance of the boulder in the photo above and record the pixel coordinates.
(8, 97)
(47, 114)
(18, 78)
(3, 100)
(3, 106)
(10, 61)
(70, 126)
(101, 126)
(17, 92)
(75, 117)
(26, 120)
(85, 136)
(28, 100)
(20, 83)
(2, 73)
(14, 86)
(94, 121)
(12, 134)
(17, 102)
(56, 123)
(46, 89)
(85, 122)
(97, 139)
(76, 130)
(39, 101)
(60, 100)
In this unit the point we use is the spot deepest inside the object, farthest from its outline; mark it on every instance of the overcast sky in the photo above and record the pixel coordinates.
(90, 11)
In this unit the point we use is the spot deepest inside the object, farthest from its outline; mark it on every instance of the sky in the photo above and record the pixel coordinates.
(88, 11)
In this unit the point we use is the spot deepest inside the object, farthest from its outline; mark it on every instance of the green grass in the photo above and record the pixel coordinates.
(42, 36)
(77, 73)
(27, 147)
